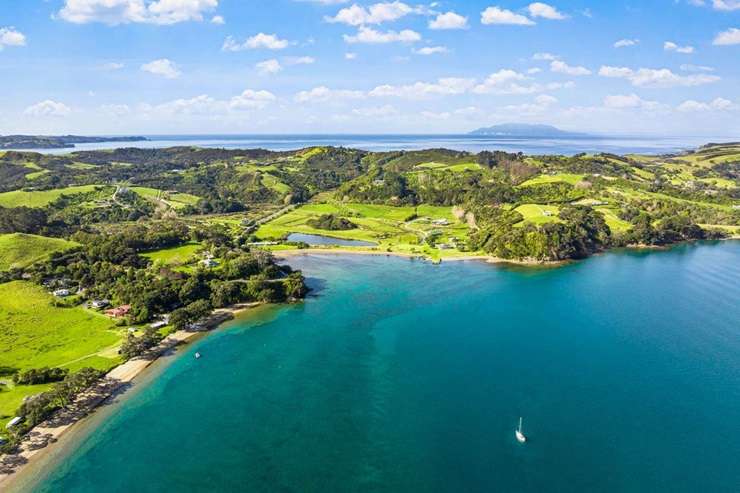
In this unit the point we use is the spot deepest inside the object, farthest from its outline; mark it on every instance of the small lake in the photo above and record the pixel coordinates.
(328, 240)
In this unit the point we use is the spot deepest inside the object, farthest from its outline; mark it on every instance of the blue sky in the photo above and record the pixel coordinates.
(669, 67)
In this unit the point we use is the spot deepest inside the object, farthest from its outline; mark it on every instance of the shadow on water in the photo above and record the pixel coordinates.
(316, 285)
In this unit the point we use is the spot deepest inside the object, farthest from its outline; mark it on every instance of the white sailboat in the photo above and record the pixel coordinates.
(518, 433)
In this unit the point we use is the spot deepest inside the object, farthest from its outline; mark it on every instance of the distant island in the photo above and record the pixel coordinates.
(56, 142)
(523, 130)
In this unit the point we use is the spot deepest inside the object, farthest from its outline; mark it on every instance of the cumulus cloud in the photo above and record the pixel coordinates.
(47, 108)
(507, 81)
(376, 112)
(499, 16)
(163, 68)
(729, 37)
(545, 11)
(322, 94)
(374, 14)
(623, 43)
(218, 19)
(371, 36)
(718, 104)
(671, 46)
(251, 99)
(561, 67)
(656, 78)
(726, 5)
(299, 60)
(350, 56)
(431, 50)
(268, 67)
(115, 12)
(9, 36)
(448, 86)
(624, 101)
(260, 40)
(687, 67)
(449, 20)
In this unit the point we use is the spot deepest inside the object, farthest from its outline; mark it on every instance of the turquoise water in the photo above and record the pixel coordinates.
(327, 240)
(403, 376)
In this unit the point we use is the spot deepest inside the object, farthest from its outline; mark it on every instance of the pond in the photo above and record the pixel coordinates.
(328, 240)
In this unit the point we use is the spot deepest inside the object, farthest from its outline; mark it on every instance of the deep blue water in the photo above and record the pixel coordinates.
(402, 376)
(569, 146)
(327, 240)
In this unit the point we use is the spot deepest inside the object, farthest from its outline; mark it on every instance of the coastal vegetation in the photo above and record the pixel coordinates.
(103, 253)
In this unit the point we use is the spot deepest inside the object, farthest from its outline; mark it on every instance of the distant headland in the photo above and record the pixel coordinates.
(524, 130)
(57, 142)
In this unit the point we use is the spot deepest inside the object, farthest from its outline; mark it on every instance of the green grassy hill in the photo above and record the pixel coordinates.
(20, 250)
(39, 198)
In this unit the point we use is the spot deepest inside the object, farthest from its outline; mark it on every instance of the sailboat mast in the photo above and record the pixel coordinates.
(520, 424)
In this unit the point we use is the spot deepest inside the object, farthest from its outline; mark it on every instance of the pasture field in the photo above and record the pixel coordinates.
(174, 256)
(394, 229)
(538, 214)
(34, 333)
(174, 200)
(18, 250)
(40, 198)
(558, 178)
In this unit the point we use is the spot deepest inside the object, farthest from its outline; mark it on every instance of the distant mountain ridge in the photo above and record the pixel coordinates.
(57, 142)
(523, 130)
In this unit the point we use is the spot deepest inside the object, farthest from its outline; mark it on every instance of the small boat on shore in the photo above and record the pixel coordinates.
(518, 433)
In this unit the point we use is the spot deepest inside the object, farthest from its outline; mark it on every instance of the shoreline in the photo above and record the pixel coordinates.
(40, 441)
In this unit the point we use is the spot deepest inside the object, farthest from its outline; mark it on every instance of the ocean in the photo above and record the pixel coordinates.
(568, 146)
(397, 375)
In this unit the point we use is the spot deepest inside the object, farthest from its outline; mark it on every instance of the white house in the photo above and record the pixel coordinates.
(61, 293)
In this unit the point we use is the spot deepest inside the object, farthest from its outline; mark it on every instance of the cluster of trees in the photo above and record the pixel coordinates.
(41, 375)
(580, 232)
(331, 222)
(136, 346)
(670, 230)
(40, 407)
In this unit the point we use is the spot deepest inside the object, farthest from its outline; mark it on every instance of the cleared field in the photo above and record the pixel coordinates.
(458, 168)
(34, 334)
(273, 183)
(558, 178)
(40, 198)
(19, 250)
(395, 229)
(538, 214)
(179, 255)
(176, 200)
(616, 224)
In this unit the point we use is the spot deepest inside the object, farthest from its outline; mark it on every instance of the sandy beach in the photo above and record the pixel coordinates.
(42, 438)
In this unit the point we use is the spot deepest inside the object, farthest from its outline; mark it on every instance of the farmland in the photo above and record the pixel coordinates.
(18, 250)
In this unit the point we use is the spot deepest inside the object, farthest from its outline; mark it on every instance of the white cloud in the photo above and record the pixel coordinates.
(727, 5)
(116, 110)
(112, 66)
(503, 80)
(448, 86)
(163, 68)
(539, 105)
(323, 94)
(115, 12)
(545, 11)
(729, 37)
(218, 19)
(376, 112)
(250, 99)
(299, 60)
(561, 67)
(350, 56)
(48, 108)
(449, 20)
(671, 46)
(623, 43)
(656, 78)
(496, 15)
(268, 67)
(431, 50)
(9, 36)
(534, 70)
(374, 14)
(624, 101)
(687, 67)
(371, 36)
(261, 40)
(718, 104)
(544, 56)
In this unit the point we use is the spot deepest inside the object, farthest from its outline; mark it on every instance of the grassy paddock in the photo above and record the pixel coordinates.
(18, 250)
(179, 255)
(39, 198)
